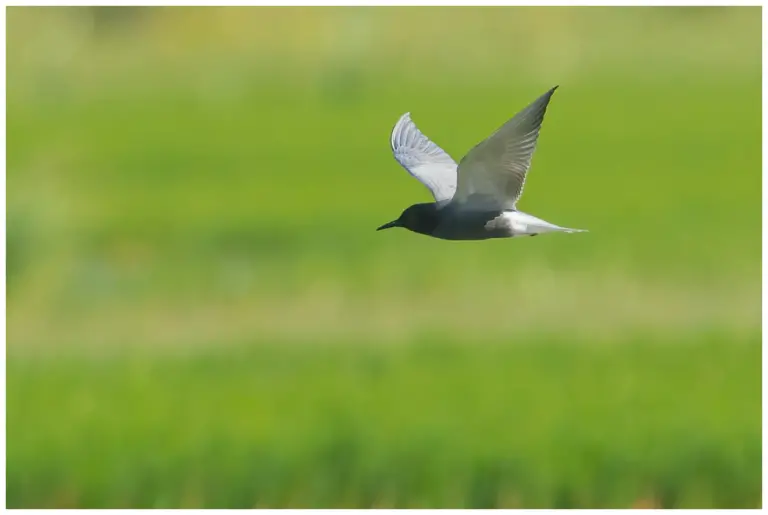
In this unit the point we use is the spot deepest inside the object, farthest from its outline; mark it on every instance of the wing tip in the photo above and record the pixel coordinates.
(403, 120)
(551, 91)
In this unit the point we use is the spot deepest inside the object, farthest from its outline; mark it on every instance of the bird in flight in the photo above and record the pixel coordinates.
(476, 199)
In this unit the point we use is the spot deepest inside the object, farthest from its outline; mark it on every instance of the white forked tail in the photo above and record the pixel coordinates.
(523, 223)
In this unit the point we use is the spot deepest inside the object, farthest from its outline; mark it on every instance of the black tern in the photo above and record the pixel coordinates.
(476, 199)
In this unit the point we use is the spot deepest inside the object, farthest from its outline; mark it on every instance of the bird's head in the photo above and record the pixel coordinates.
(421, 218)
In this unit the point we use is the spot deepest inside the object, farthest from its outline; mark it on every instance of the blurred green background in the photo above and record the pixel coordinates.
(200, 313)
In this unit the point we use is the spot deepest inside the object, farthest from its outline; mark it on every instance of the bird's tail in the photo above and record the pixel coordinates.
(568, 229)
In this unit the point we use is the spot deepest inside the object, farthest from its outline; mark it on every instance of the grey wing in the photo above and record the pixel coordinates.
(495, 169)
(423, 159)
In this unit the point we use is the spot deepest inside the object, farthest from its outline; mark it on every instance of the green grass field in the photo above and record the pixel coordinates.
(547, 424)
(200, 313)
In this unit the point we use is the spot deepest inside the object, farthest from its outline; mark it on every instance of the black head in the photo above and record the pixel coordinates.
(421, 218)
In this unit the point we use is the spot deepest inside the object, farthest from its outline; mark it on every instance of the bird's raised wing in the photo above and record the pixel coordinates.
(423, 159)
(495, 169)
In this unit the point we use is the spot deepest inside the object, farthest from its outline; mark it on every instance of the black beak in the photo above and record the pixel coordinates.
(394, 223)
